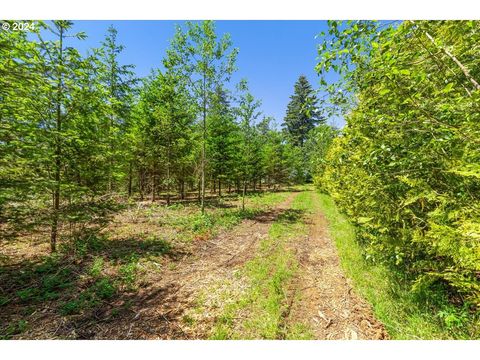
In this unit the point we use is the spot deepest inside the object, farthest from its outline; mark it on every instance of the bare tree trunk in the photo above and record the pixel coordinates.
(202, 202)
(154, 181)
(199, 192)
(182, 189)
(141, 183)
(219, 187)
(243, 194)
(130, 180)
(168, 183)
(58, 151)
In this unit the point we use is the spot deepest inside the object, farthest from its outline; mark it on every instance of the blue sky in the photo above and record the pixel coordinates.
(273, 54)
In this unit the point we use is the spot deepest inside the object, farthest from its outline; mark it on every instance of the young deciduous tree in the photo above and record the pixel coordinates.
(204, 62)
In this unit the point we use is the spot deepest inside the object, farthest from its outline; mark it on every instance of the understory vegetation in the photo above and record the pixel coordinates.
(406, 315)
(96, 279)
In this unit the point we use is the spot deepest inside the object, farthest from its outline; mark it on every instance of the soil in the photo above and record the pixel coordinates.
(184, 298)
(161, 310)
(326, 302)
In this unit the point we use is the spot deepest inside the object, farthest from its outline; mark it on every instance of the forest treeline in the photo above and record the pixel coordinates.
(406, 168)
(80, 133)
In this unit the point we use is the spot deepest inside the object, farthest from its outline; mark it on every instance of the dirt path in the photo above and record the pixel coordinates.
(187, 297)
(327, 303)
(161, 310)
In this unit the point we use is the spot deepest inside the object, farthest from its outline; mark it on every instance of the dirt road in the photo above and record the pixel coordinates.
(163, 310)
(190, 294)
(327, 303)
(185, 302)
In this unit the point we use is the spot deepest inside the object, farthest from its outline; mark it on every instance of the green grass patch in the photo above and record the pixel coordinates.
(195, 225)
(260, 313)
(14, 328)
(128, 273)
(423, 314)
(102, 289)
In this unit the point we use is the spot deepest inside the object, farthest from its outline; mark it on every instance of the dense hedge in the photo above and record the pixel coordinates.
(406, 168)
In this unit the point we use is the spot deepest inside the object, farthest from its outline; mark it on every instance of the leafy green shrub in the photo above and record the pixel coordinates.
(96, 268)
(101, 289)
(104, 289)
(14, 328)
(406, 166)
(27, 294)
(128, 273)
(202, 222)
(71, 307)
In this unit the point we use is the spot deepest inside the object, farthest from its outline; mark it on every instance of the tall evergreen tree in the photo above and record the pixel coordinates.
(222, 138)
(118, 83)
(61, 67)
(250, 155)
(302, 112)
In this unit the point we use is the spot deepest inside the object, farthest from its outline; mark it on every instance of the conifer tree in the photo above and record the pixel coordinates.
(302, 112)
(203, 61)
(118, 83)
(223, 140)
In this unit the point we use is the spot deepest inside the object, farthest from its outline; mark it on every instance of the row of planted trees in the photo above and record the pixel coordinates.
(406, 166)
(79, 130)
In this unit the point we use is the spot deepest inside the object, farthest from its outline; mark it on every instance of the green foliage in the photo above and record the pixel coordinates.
(302, 112)
(425, 313)
(44, 282)
(128, 272)
(316, 148)
(14, 328)
(96, 268)
(406, 166)
(101, 290)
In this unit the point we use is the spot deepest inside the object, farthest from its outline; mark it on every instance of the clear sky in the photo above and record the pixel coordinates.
(273, 54)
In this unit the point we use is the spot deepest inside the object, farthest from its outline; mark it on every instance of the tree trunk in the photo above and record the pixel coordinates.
(219, 187)
(199, 192)
(168, 183)
(141, 183)
(202, 202)
(130, 180)
(182, 189)
(154, 180)
(243, 195)
(58, 151)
